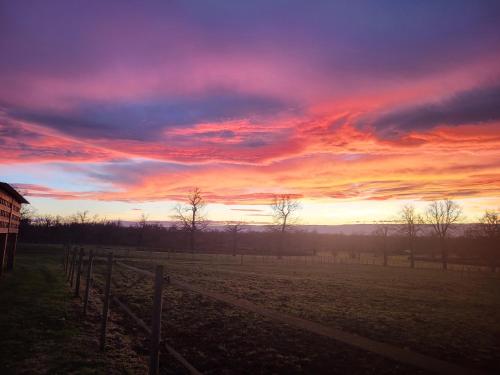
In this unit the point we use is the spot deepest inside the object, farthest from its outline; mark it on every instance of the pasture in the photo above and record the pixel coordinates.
(41, 328)
(451, 316)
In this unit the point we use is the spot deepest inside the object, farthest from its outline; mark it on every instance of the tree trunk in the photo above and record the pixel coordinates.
(280, 245)
(191, 241)
(235, 245)
(412, 257)
(193, 230)
(385, 258)
(444, 254)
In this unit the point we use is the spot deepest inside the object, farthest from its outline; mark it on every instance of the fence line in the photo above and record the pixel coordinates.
(146, 329)
(79, 272)
(394, 260)
(393, 352)
(156, 321)
(154, 332)
(72, 267)
(88, 283)
(66, 259)
(105, 306)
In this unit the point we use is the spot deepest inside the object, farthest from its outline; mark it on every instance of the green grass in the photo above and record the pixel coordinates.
(39, 332)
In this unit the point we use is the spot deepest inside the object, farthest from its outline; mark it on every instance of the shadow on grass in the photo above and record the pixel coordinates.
(38, 329)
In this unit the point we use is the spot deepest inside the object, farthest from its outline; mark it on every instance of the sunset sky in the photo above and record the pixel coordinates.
(121, 108)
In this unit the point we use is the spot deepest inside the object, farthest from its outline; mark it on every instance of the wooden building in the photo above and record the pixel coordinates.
(10, 217)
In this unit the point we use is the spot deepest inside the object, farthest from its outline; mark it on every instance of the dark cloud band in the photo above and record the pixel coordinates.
(474, 106)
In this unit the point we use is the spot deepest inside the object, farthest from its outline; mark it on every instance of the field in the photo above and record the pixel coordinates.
(41, 327)
(452, 316)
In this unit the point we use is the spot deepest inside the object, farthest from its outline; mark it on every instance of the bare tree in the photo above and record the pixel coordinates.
(410, 220)
(489, 229)
(82, 217)
(285, 208)
(234, 228)
(28, 214)
(382, 231)
(441, 215)
(142, 225)
(489, 224)
(46, 221)
(191, 215)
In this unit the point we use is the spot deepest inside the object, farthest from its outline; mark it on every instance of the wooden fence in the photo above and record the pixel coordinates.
(341, 258)
(74, 264)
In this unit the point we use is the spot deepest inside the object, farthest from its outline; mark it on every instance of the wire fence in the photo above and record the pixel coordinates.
(339, 258)
(109, 278)
(79, 264)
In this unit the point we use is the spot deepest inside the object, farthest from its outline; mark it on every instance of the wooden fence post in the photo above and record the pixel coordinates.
(88, 283)
(105, 305)
(69, 264)
(66, 260)
(11, 254)
(156, 322)
(79, 272)
(73, 264)
(3, 252)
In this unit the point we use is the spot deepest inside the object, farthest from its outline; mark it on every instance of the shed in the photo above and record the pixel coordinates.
(10, 217)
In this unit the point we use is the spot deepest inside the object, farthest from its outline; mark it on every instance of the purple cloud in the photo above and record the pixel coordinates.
(144, 120)
(474, 106)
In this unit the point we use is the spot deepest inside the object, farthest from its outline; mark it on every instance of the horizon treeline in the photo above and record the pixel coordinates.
(473, 246)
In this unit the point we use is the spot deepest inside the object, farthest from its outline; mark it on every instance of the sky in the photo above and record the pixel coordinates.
(354, 107)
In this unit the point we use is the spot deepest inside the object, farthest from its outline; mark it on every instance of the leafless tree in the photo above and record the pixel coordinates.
(234, 229)
(285, 208)
(191, 215)
(28, 214)
(382, 231)
(441, 215)
(143, 221)
(46, 221)
(411, 221)
(82, 217)
(489, 224)
(142, 225)
(489, 230)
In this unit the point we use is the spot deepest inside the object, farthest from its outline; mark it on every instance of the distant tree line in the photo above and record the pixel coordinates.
(404, 235)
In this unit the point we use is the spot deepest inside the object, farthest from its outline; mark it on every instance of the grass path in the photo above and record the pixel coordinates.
(41, 328)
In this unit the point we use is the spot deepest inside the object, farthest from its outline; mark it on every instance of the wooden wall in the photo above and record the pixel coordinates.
(9, 214)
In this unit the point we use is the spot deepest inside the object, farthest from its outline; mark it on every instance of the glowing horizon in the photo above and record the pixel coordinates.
(121, 109)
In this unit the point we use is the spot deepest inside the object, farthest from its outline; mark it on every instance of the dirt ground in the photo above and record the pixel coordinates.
(428, 311)
(446, 315)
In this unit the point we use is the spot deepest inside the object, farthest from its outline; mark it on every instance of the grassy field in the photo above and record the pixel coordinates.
(448, 315)
(38, 332)
(41, 327)
(218, 338)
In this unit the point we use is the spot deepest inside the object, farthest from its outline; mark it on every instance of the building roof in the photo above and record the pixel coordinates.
(12, 192)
